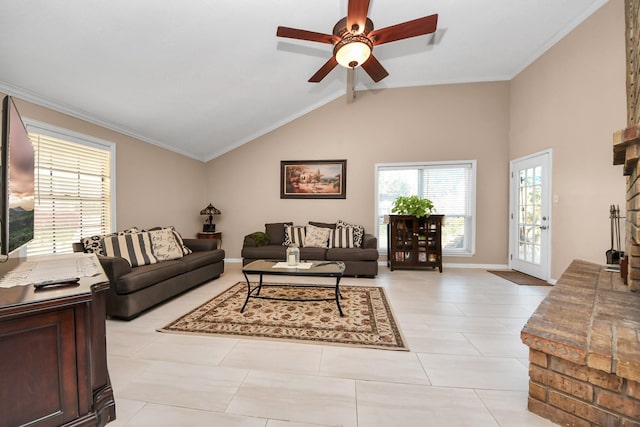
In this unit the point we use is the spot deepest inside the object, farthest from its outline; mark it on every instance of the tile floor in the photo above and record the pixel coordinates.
(467, 365)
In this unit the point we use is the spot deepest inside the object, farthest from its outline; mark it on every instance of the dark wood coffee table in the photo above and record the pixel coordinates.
(271, 268)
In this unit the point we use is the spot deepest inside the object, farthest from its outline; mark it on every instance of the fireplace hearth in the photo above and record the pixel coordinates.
(584, 350)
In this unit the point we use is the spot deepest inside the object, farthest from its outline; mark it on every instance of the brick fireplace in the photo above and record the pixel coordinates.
(584, 350)
(626, 144)
(584, 338)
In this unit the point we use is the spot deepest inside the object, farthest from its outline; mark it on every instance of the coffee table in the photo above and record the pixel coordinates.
(263, 267)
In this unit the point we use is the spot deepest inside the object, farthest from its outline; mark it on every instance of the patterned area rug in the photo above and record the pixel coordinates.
(367, 321)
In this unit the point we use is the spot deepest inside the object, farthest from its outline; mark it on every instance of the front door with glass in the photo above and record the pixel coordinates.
(530, 221)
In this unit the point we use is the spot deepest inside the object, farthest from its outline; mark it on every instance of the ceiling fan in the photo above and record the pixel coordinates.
(353, 39)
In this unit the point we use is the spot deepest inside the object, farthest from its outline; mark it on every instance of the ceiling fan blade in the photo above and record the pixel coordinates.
(357, 15)
(311, 36)
(414, 28)
(324, 70)
(374, 68)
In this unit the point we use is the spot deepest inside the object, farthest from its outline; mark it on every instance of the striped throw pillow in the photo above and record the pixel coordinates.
(342, 237)
(358, 231)
(136, 248)
(294, 234)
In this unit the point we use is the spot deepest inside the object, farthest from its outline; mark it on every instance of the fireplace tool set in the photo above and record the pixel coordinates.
(614, 254)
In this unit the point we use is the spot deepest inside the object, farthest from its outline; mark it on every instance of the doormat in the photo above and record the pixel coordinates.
(367, 322)
(519, 278)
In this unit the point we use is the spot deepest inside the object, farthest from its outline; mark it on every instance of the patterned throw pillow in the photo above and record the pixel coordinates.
(135, 248)
(294, 234)
(164, 245)
(316, 237)
(358, 232)
(178, 237)
(93, 244)
(342, 237)
(185, 249)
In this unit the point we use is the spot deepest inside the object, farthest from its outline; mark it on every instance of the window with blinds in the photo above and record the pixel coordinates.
(73, 194)
(451, 187)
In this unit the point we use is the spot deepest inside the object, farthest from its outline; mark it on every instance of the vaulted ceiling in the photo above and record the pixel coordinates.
(201, 77)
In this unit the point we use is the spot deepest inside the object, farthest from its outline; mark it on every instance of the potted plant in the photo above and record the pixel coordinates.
(412, 205)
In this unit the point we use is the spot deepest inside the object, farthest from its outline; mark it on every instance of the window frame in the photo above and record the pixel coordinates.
(46, 129)
(470, 227)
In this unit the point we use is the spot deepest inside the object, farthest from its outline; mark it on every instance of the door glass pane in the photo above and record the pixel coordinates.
(530, 218)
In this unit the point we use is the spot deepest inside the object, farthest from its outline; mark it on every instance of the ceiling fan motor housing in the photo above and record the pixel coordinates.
(341, 28)
(349, 36)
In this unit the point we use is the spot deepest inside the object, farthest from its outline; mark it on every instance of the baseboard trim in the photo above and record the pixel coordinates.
(464, 265)
(447, 265)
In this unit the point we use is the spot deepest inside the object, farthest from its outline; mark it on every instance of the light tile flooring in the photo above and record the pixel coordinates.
(467, 365)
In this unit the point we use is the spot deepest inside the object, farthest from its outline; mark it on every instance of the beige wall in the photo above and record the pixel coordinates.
(449, 122)
(571, 100)
(154, 186)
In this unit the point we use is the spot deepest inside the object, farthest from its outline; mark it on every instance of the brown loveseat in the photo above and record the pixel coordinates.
(136, 288)
(349, 244)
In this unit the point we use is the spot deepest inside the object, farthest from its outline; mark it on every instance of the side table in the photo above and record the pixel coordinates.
(215, 235)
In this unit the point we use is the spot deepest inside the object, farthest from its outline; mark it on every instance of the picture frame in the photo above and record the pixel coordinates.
(313, 179)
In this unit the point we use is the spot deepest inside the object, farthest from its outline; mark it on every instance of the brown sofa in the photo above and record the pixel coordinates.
(136, 289)
(359, 261)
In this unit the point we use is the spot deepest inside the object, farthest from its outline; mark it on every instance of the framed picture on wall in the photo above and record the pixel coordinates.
(313, 179)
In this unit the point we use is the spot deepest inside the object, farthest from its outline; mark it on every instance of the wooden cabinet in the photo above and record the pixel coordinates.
(414, 242)
(53, 362)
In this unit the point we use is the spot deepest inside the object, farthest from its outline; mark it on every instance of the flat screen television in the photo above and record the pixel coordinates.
(17, 181)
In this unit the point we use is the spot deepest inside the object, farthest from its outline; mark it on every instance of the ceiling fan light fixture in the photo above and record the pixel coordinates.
(353, 50)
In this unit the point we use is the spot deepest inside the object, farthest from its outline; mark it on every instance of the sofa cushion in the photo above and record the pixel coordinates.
(275, 230)
(357, 254)
(312, 253)
(294, 234)
(342, 237)
(358, 231)
(164, 245)
(148, 275)
(265, 252)
(197, 259)
(317, 237)
(136, 248)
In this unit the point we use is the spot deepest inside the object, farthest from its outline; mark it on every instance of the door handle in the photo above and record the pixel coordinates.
(543, 227)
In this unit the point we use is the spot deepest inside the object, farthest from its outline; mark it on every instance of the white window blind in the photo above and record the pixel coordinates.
(451, 188)
(73, 191)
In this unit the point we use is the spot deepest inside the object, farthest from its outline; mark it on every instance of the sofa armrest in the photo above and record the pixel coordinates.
(249, 242)
(114, 267)
(369, 241)
(255, 239)
(199, 245)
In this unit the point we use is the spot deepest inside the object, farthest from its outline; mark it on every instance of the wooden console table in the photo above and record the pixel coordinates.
(53, 367)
